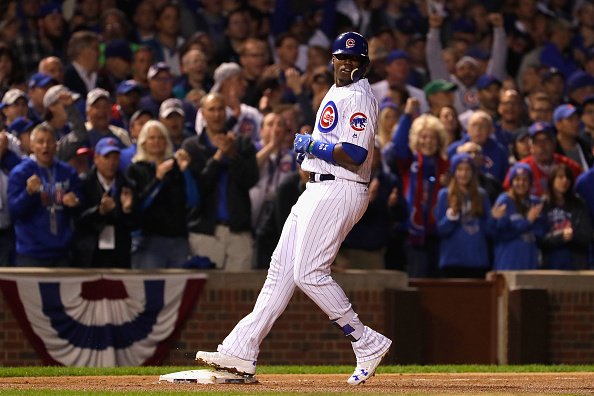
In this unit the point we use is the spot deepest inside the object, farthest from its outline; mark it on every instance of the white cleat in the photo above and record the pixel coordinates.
(227, 363)
(365, 370)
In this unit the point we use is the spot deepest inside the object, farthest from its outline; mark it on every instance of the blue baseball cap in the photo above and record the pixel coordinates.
(127, 86)
(107, 145)
(156, 68)
(541, 127)
(118, 49)
(397, 54)
(40, 80)
(388, 103)
(20, 125)
(486, 80)
(579, 79)
(49, 9)
(563, 111)
(478, 53)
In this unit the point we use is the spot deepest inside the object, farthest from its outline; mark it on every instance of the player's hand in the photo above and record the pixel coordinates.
(301, 143)
(33, 184)
(373, 189)
(300, 158)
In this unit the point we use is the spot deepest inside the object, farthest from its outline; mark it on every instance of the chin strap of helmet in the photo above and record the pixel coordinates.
(359, 72)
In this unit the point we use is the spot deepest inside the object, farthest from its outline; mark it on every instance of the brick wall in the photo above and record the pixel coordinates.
(571, 327)
(302, 335)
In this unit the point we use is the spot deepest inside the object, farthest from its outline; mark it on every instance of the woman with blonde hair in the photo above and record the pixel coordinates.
(165, 189)
(462, 215)
(418, 154)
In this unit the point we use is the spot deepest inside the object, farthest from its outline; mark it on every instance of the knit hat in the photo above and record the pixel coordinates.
(518, 169)
(460, 158)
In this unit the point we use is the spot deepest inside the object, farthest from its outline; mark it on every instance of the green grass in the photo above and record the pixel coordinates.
(38, 371)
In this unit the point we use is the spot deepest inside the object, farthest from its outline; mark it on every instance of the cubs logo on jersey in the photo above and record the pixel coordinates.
(328, 118)
(358, 121)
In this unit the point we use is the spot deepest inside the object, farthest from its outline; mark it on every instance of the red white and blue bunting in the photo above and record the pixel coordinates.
(102, 320)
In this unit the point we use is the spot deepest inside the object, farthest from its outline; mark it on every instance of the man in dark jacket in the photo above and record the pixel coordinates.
(102, 237)
(225, 165)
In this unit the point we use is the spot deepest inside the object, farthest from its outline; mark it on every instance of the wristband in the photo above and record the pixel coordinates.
(322, 151)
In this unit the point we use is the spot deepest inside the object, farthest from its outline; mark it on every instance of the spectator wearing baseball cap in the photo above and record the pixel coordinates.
(127, 101)
(14, 104)
(102, 233)
(137, 121)
(543, 156)
(467, 70)
(579, 85)
(160, 82)
(488, 91)
(38, 85)
(398, 72)
(553, 84)
(21, 128)
(61, 112)
(439, 93)
(118, 61)
(98, 109)
(554, 52)
(171, 114)
(569, 142)
(229, 82)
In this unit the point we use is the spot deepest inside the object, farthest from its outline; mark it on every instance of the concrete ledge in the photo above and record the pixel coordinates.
(548, 279)
(349, 280)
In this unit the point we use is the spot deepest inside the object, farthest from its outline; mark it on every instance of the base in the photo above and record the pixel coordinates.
(207, 377)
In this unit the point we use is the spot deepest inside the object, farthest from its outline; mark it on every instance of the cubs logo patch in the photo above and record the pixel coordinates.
(350, 43)
(358, 121)
(328, 118)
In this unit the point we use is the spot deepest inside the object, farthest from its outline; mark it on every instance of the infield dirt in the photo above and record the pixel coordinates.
(473, 383)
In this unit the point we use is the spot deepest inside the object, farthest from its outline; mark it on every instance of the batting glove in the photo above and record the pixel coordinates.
(300, 158)
(301, 143)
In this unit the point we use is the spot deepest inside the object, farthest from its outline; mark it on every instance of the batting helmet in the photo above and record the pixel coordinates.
(352, 43)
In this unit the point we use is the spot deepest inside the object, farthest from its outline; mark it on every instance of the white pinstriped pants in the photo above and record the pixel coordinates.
(309, 242)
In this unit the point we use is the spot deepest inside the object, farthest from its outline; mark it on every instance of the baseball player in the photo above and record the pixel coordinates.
(338, 156)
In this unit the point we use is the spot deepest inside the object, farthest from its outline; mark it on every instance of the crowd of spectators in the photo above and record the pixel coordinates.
(158, 134)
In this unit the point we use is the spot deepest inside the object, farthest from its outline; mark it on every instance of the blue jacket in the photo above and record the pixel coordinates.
(31, 214)
(463, 241)
(515, 237)
(496, 161)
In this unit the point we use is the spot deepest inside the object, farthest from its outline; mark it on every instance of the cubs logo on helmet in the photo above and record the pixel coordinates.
(350, 43)
(328, 117)
(358, 121)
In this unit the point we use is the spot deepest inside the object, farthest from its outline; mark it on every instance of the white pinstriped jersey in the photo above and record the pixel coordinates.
(347, 114)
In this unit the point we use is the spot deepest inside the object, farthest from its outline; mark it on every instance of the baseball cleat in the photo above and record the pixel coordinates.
(365, 370)
(227, 363)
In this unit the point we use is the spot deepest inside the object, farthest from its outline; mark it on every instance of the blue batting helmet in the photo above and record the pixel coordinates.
(350, 43)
